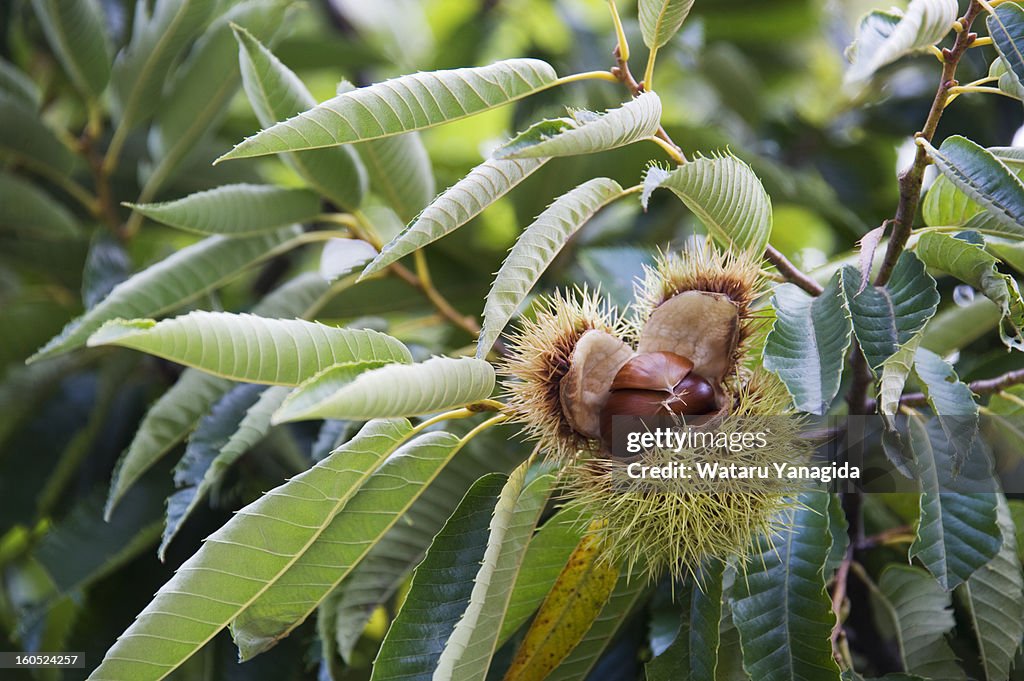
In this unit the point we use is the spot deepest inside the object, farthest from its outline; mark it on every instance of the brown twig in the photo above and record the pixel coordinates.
(790, 271)
(622, 72)
(985, 386)
(838, 598)
(911, 179)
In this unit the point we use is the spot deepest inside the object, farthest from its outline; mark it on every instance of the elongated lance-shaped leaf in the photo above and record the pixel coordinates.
(387, 565)
(467, 654)
(979, 174)
(995, 602)
(239, 562)
(808, 342)
(29, 210)
(178, 410)
(920, 611)
(75, 31)
(198, 96)
(971, 264)
(945, 205)
(694, 654)
(547, 554)
(958, 532)
(884, 37)
(886, 318)
(235, 209)
(400, 172)
(348, 392)
(630, 590)
(16, 84)
(586, 132)
(240, 420)
(25, 136)
(383, 499)
(158, 39)
(567, 613)
(725, 194)
(276, 93)
(951, 400)
(780, 604)
(441, 588)
(536, 248)
(1006, 26)
(244, 347)
(412, 102)
(183, 276)
(661, 19)
(456, 206)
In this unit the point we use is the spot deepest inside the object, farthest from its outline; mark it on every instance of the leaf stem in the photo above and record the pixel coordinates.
(911, 179)
(670, 149)
(489, 423)
(620, 34)
(981, 42)
(791, 272)
(586, 75)
(649, 70)
(955, 92)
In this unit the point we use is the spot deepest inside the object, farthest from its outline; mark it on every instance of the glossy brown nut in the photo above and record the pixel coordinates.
(652, 371)
(694, 396)
(632, 403)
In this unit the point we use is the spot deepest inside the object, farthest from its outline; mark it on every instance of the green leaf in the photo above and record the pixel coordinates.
(586, 132)
(235, 209)
(456, 206)
(1007, 79)
(1006, 27)
(808, 342)
(242, 560)
(371, 513)
(176, 413)
(995, 602)
(694, 654)
(198, 95)
(571, 608)
(29, 210)
(412, 102)
(957, 532)
(75, 31)
(983, 177)
(344, 257)
(244, 347)
(970, 264)
(276, 93)
(885, 37)
(239, 421)
(886, 318)
(182, 277)
(25, 136)
(536, 248)
(352, 392)
(143, 66)
(945, 205)
(951, 400)
(920, 611)
(385, 568)
(895, 372)
(725, 194)
(546, 555)
(17, 85)
(661, 19)
(780, 605)
(400, 172)
(441, 588)
(469, 650)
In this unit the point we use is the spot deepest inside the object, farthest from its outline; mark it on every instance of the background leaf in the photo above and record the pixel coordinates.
(808, 342)
(536, 248)
(694, 654)
(75, 31)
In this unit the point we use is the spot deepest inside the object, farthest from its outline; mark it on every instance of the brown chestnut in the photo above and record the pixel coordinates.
(695, 395)
(652, 371)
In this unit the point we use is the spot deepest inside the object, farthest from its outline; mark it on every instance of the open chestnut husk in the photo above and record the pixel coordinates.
(656, 384)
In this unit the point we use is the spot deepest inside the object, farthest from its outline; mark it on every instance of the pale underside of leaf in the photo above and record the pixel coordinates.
(661, 19)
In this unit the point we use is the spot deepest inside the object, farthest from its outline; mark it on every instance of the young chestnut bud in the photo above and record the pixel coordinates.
(656, 384)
